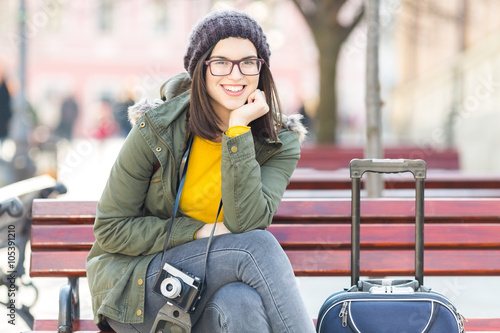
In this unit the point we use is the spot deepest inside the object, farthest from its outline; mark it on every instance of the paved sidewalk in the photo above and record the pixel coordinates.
(471, 295)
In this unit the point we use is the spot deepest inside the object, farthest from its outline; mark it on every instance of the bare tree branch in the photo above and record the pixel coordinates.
(346, 31)
(329, 34)
(308, 8)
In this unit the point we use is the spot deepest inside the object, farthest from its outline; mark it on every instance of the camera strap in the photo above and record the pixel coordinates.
(183, 168)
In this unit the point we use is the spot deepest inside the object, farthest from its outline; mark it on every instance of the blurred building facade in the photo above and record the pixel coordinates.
(448, 84)
(107, 51)
(439, 64)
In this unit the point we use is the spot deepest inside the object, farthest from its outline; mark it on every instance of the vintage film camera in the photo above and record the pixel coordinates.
(181, 289)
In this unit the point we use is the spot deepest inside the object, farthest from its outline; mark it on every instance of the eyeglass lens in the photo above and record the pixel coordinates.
(224, 67)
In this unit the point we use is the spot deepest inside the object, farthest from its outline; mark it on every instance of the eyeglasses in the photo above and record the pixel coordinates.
(223, 67)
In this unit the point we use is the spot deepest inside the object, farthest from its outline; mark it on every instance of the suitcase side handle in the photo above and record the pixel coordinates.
(359, 166)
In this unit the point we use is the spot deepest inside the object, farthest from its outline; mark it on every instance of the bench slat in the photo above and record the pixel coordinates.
(328, 157)
(459, 236)
(48, 325)
(472, 325)
(482, 325)
(456, 210)
(320, 263)
(390, 210)
(399, 262)
(58, 264)
(52, 211)
(308, 179)
(81, 237)
(62, 237)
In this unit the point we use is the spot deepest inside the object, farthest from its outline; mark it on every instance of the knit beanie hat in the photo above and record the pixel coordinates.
(221, 25)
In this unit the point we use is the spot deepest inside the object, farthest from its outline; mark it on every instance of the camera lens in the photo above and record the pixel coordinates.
(171, 287)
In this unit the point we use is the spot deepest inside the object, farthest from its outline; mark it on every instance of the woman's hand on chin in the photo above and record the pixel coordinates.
(255, 107)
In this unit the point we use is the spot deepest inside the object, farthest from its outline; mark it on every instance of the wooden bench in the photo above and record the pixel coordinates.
(333, 157)
(462, 238)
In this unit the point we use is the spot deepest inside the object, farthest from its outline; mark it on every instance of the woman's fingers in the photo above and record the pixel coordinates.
(255, 108)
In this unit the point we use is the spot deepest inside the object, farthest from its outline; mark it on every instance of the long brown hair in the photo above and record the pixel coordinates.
(204, 121)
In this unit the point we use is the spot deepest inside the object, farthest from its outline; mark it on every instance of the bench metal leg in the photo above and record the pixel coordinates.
(69, 305)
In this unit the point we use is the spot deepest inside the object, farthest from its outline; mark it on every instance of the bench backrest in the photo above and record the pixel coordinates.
(332, 157)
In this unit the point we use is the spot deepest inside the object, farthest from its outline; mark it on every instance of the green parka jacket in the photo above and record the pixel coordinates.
(134, 211)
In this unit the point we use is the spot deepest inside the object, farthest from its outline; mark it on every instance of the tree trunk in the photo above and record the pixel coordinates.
(321, 16)
(327, 108)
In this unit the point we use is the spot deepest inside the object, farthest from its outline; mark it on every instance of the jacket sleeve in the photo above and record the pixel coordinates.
(251, 192)
(120, 226)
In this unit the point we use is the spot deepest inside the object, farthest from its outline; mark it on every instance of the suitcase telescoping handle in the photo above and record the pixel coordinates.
(419, 170)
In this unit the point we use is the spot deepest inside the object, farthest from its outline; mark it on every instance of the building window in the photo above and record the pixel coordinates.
(160, 17)
(105, 15)
(55, 12)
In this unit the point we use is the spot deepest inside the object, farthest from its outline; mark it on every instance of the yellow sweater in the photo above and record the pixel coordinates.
(201, 195)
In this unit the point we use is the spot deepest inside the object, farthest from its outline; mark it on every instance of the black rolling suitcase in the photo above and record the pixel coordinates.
(389, 306)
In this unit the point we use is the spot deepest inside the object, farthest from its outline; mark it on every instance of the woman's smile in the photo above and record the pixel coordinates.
(233, 89)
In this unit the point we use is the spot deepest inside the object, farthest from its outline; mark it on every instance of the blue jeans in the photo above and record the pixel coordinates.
(250, 287)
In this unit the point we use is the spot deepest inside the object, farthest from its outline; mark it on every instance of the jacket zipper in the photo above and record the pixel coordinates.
(271, 155)
(163, 142)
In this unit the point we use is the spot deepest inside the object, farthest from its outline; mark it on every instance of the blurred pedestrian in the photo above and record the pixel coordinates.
(106, 125)
(5, 110)
(120, 112)
(69, 113)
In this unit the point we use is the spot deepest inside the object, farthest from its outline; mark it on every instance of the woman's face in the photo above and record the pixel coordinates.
(231, 91)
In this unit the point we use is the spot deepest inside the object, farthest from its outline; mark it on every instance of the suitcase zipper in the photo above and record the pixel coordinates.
(458, 317)
(343, 313)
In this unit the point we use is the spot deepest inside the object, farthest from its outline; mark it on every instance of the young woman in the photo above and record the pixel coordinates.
(243, 154)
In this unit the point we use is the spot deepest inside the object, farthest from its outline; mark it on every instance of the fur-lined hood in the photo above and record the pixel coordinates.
(182, 82)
